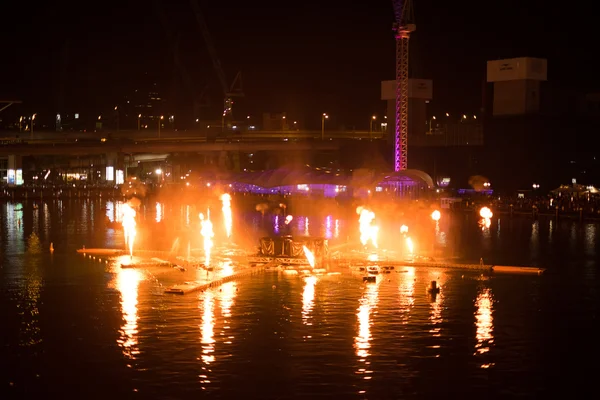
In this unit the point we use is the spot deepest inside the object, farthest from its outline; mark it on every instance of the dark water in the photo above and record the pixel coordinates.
(79, 328)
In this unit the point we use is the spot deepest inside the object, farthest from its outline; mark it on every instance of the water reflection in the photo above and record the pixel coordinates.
(159, 212)
(435, 314)
(118, 211)
(276, 224)
(46, 223)
(14, 226)
(306, 231)
(336, 233)
(228, 291)
(110, 210)
(484, 322)
(550, 231)
(328, 233)
(590, 239)
(30, 332)
(128, 281)
(407, 290)
(535, 239)
(187, 215)
(573, 238)
(308, 299)
(362, 342)
(207, 328)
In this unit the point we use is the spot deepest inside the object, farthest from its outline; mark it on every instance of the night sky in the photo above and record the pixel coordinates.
(303, 58)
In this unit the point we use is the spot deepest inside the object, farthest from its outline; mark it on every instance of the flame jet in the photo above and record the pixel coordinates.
(128, 222)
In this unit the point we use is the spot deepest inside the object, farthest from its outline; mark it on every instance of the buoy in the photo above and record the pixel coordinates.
(433, 288)
(51, 247)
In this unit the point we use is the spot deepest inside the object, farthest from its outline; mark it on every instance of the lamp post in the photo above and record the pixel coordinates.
(373, 118)
(159, 123)
(430, 123)
(139, 119)
(32, 123)
(323, 118)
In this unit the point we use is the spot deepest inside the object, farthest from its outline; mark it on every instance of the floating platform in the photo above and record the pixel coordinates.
(391, 264)
(278, 260)
(148, 264)
(102, 252)
(189, 287)
(517, 270)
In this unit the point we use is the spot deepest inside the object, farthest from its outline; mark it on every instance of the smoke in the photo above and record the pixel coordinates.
(134, 188)
(134, 202)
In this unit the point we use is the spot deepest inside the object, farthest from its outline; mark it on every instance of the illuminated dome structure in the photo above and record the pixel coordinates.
(406, 183)
(329, 183)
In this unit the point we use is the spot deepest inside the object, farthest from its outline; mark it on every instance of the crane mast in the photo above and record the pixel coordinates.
(229, 91)
(403, 27)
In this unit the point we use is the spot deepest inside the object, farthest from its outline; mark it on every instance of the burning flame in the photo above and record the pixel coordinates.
(410, 245)
(367, 230)
(486, 213)
(128, 222)
(226, 199)
(206, 230)
(309, 256)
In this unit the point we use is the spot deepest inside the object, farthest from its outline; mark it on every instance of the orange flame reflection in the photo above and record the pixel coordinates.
(308, 297)
(127, 283)
(484, 322)
(368, 303)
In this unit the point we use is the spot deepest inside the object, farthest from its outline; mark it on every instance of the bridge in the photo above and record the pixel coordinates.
(129, 142)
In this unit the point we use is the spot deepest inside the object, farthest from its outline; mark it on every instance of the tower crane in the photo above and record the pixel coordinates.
(229, 90)
(403, 26)
(200, 100)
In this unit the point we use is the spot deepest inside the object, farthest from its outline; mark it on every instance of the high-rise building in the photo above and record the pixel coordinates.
(516, 85)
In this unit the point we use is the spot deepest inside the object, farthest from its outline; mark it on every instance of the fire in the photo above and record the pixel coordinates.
(128, 222)
(367, 230)
(486, 213)
(410, 245)
(309, 256)
(206, 230)
(227, 219)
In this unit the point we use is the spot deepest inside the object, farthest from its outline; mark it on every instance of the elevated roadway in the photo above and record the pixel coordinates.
(160, 146)
(132, 142)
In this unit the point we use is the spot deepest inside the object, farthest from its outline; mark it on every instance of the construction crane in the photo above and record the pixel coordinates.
(200, 100)
(229, 90)
(403, 26)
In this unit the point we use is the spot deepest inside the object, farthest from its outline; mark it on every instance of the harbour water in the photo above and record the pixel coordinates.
(83, 329)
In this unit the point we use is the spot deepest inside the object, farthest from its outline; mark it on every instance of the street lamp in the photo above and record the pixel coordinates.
(373, 118)
(159, 123)
(430, 123)
(323, 118)
(32, 123)
(536, 186)
(139, 118)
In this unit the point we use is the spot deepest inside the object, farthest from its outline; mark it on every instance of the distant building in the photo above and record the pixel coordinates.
(517, 84)
(420, 92)
(275, 122)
